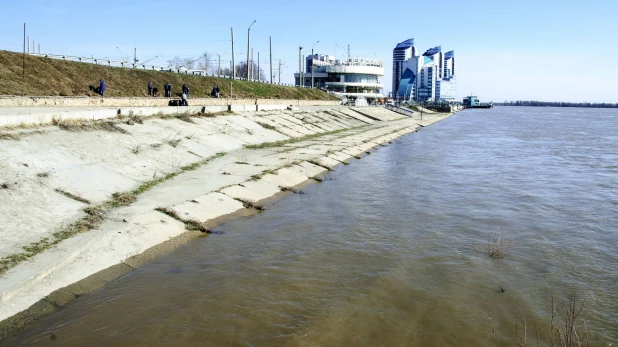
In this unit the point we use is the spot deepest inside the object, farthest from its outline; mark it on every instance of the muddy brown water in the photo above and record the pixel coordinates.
(388, 250)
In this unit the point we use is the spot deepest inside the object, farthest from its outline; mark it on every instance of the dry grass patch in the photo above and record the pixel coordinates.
(292, 140)
(76, 125)
(71, 196)
(122, 199)
(9, 136)
(189, 224)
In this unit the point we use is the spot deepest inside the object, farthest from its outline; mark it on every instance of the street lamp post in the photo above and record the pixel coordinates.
(300, 66)
(248, 46)
(312, 61)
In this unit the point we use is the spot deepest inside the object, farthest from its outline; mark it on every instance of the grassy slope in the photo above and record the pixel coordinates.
(46, 76)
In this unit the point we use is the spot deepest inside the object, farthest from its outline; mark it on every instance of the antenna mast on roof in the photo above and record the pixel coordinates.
(348, 52)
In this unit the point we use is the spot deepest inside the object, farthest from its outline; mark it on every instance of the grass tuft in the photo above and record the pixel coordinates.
(122, 199)
(495, 247)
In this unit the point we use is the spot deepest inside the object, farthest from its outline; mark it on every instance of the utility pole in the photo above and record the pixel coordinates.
(258, 71)
(28, 46)
(33, 47)
(248, 48)
(134, 56)
(39, 48)
(233, 62)
(252, 69)
(279, 71)
(270, 39)
(24, 62)
(300, 66)
(219, 68)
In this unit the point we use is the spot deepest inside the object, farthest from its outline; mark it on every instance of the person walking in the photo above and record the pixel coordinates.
(149, 88)
(101, 87)
(185, 90)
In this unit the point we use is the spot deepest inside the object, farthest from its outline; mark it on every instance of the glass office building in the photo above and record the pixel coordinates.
(428, 77)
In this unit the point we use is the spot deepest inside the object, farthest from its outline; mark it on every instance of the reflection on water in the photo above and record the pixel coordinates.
(387, 254)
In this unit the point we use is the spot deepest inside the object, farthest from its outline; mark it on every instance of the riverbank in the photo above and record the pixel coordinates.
(89, 202)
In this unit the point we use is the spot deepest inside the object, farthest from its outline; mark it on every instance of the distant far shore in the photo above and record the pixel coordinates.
(556, 104)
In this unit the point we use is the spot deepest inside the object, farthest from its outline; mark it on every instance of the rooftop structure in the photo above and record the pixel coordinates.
(352, 78)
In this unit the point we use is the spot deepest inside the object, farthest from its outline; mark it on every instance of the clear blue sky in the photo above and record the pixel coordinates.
(526, 49)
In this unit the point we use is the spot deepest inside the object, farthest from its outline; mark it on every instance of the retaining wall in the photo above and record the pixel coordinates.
(78, 101)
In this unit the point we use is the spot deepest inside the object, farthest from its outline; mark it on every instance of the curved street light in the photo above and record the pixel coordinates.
(248, 46)
(312, 61)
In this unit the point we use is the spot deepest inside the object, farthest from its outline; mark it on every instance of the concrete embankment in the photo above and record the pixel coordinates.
(39, 110)
(86, 203)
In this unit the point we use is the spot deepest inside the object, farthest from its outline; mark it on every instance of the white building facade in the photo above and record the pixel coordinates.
(352, 78)
(429, 77)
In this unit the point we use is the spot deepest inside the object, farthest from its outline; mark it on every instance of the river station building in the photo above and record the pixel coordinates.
(428, 77)
(352, 78)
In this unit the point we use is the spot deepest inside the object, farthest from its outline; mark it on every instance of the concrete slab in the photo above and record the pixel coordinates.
(340, 156)
(286, 178)
(308, 169)
(328, 162)
(207, 207)
(252, 191)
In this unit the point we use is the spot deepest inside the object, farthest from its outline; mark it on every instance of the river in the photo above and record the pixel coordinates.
(389, 249)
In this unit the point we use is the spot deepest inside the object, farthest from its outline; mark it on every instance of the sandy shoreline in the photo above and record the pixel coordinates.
(91, 164)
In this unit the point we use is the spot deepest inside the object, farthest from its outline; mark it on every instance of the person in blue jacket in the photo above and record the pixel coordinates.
(185, 89)
(101, 87)
(149, 88)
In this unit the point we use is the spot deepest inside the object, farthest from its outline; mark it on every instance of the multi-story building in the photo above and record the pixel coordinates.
(402, 52)
(352, 78)
(428, 77)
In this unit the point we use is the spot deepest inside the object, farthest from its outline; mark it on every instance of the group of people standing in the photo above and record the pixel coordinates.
(167, 90)
(153, 91)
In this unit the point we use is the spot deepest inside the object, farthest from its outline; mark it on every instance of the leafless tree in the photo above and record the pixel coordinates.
(204, 63)
(175, 62)
(188, 63)
(241, 71)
